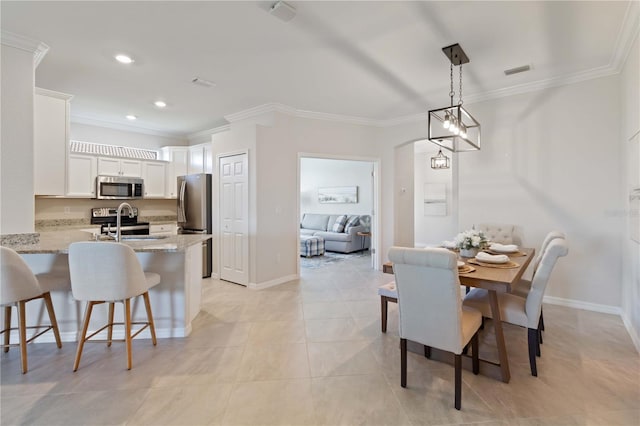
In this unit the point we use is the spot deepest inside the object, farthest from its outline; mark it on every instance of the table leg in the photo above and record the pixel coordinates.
(497, 324)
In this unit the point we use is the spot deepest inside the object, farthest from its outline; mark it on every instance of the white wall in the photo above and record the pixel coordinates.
(630, 146)
(430, 230)
(323, 172)
(16, 175)
(107, 136)
(548, 162)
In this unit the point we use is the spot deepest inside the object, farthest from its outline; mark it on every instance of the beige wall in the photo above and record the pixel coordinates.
(16, 174)
(548, 162)
(630, 147)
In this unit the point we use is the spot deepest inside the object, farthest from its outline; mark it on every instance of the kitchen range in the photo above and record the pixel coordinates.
(107, 218)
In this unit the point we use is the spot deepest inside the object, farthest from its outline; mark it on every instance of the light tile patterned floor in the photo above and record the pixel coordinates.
(310, 352)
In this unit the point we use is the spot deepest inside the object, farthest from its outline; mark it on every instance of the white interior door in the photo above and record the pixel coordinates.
(234, 223)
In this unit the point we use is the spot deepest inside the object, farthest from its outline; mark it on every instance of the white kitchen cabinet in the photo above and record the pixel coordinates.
(81, 175)
(178, 157)
(208, 158)
(196, 159)
(154, 174)
(50, 137)
(165, 229)
(119, 167)
(201, 158)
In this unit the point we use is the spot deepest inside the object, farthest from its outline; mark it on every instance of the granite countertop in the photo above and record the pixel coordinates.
(59, 241)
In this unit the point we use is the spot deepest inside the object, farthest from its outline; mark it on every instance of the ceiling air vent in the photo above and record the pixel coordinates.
(517, 70)
(202, 82)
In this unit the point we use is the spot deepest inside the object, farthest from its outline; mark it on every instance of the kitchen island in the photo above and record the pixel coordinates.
(175, 301)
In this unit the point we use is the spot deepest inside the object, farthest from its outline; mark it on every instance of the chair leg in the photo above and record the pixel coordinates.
(427, 351)
(403, 363)
(110, 320)
(22, 326)
(458, 373)
(540, 328)
(383, 313)
(533, 343)
(52, 318)
(83, 335)
(127, 330)
(541, 320)
(7, 327)
(474, 354)
(152, 327)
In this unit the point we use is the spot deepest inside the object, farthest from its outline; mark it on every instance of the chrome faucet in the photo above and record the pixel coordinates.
(119, 220)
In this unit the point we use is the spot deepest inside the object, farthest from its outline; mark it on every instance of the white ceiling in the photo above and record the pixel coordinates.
(376, 60)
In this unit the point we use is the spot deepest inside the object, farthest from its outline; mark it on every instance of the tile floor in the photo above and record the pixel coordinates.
(311, 352)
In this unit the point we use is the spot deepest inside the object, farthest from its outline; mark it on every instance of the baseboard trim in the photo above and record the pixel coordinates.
(272, 283)
(635, 337)
(578, 304)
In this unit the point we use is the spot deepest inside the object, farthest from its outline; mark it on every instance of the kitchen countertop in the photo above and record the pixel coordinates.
(59, 241)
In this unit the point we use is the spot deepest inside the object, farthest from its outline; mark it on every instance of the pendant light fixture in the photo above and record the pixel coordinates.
(440, 161)
(452, 127)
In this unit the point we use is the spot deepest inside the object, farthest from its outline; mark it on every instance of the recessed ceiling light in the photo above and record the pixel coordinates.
(160, 104)
(124, 59)
(131, 117)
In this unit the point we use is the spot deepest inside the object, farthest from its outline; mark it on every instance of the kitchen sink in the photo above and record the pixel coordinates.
(126, 238)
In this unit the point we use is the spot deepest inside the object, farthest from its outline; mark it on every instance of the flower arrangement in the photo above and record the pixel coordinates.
(471, 239)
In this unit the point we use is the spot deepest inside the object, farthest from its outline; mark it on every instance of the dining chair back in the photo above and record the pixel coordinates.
(109, 272)
(545, 243)
(18, 285)
(502, 233)
(555, 249)
(430, 307)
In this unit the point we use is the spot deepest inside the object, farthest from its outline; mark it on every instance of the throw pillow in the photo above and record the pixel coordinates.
(353, 221)
(340, 222)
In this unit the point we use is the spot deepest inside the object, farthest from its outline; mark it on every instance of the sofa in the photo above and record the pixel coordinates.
(344, 241)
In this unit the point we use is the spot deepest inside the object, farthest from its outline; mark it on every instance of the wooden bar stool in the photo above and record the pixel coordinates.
(18, 286)
(107, 272)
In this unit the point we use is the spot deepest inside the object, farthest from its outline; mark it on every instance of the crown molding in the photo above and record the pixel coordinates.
(127, 128)
(626, 36)
(27, 44)
(53, 94)
(209, 132)
(285, 109)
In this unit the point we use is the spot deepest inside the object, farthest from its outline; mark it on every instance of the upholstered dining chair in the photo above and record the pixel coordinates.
(109, 272)
(18, 286)
(387, 293)
(521, 311)
(501, 233)
(430, 307)
(522, 288)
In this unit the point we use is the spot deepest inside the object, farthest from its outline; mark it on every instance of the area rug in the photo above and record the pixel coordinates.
(329, 258)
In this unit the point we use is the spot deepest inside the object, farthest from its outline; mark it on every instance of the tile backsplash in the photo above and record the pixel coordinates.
(79, 209)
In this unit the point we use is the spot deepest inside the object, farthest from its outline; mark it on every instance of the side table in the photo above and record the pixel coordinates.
(364, 235)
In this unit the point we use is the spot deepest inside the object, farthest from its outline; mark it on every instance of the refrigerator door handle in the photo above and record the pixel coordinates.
(182, 217)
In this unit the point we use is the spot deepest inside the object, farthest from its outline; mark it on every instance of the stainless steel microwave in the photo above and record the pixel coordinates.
(119, 188)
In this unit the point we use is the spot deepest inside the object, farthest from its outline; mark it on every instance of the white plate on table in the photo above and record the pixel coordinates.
(499, 248)
(460, 264)
(489, 258)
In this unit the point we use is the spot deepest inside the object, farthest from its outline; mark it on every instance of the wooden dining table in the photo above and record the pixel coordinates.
(495, 280)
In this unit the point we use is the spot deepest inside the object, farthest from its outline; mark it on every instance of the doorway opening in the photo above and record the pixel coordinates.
(330, 187)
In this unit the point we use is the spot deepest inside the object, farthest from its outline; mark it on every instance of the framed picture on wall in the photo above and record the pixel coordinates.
(338, 195)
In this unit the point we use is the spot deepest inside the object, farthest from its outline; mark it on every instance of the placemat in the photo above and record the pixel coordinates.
(514, 254)
(508, 265)
(466, 269)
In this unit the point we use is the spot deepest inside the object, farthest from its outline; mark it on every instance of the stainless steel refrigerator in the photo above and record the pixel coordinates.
(194, 212)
